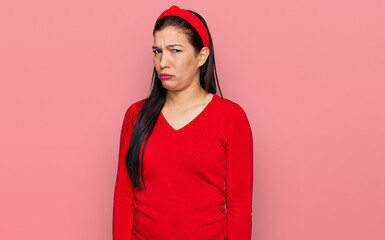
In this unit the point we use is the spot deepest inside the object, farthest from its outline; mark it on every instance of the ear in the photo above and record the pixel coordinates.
(203, 55)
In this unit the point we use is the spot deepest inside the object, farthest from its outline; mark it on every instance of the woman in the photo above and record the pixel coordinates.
(185, 166)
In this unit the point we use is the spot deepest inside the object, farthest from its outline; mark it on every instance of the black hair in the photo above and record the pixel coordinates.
(149, 112)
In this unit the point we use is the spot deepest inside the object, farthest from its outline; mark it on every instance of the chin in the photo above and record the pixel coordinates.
(167, 85)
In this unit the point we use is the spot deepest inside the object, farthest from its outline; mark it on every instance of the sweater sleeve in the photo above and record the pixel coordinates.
(123, 210)
(239, 177)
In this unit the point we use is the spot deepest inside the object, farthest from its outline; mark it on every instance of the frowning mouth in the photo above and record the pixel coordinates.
(165, 76)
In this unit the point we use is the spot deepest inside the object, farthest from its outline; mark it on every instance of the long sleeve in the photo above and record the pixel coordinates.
(239, 176)
(123, 210)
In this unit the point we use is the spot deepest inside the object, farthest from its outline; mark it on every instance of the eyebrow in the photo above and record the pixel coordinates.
(171, 45)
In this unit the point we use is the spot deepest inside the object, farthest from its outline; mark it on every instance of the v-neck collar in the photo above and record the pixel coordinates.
(192, 122)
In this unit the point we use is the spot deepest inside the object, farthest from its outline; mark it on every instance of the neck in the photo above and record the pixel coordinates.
(186, 98)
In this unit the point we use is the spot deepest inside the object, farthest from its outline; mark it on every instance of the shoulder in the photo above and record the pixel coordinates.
(236, 122)
(230, 108)
(136, 106)
(132, 111)
(234, 116)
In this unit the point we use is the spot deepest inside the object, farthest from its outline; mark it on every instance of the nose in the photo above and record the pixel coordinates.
(163, 60)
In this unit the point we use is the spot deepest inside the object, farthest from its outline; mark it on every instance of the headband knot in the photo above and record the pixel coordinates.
(191, 18)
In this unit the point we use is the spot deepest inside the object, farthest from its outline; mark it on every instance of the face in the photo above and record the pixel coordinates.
(175, 55)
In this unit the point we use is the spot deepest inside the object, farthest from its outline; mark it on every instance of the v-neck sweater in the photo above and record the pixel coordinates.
(198, 179)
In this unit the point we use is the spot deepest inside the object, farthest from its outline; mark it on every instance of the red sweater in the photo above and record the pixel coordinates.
(199, 178)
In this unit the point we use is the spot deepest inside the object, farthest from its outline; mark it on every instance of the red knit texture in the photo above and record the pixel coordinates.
(189, 173)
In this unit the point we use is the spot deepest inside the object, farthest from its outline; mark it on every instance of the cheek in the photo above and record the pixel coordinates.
(188, 65)
(155, 61)
(182, 64)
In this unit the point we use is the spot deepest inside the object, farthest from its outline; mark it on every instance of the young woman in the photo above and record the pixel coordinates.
(185, 166)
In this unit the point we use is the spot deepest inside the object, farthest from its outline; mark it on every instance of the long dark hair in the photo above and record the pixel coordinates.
(149, 112)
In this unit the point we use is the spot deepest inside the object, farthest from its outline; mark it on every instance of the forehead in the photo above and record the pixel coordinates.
(169, 35)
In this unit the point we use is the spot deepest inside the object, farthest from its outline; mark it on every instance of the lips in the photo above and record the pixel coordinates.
(165, 76)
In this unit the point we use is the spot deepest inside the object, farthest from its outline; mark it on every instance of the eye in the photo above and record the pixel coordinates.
(155, 51)
(177, 50)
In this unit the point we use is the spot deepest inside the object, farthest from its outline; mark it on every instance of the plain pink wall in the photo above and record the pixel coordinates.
(309, 74)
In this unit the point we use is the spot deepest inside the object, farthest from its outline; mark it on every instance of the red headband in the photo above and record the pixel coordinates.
(191, 18)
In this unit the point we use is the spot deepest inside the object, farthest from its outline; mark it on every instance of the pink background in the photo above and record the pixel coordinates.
(309, 74)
